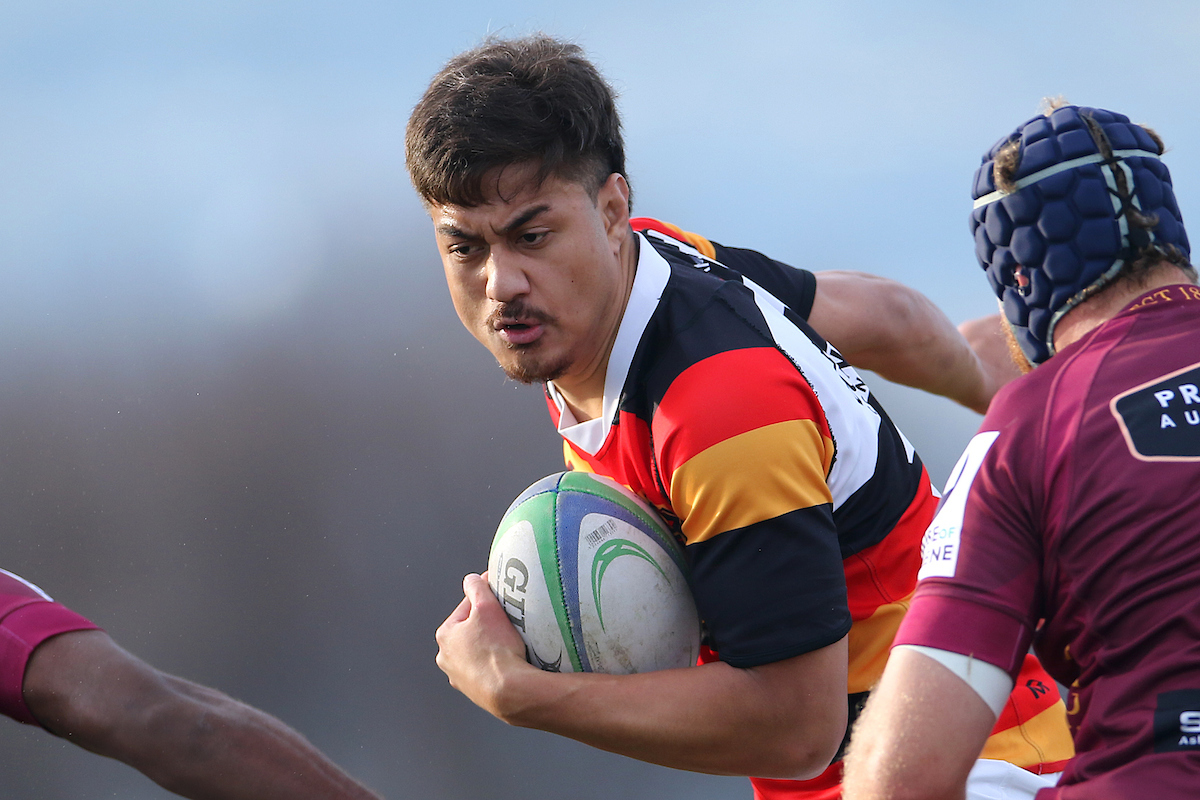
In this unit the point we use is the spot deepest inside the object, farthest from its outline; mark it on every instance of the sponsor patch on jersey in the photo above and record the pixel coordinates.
(1177, 721)
(940, 545)
(1161, 419)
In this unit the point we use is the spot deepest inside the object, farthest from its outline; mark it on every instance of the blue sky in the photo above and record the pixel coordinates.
(216, 145)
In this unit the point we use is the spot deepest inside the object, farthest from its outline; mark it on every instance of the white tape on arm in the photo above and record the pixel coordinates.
(990, 682)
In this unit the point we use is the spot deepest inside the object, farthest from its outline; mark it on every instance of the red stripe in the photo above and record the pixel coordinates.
(625, 457)
(650, 224)
(1035, 691)
(826, 786)
(733, 392)
(887, 571)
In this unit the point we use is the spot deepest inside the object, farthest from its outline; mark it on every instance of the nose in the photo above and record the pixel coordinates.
(506, 278)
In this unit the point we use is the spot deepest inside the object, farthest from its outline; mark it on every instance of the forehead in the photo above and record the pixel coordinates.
(513, 194)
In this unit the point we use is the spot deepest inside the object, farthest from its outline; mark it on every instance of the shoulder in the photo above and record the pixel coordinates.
(794, 287)
(1018, 403)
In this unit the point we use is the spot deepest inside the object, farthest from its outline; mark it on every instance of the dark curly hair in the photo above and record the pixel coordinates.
(533, 100)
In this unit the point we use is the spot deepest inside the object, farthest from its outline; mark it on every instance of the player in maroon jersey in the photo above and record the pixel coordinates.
(1071, 521)
(59, 671)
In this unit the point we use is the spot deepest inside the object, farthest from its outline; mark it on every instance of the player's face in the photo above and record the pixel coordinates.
(540, 274)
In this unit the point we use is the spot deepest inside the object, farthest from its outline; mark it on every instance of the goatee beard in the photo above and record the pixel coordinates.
(529, 373)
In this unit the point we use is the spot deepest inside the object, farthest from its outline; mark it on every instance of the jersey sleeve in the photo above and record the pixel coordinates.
(744, 449)
(28, 617)
(979, 591)
(794, 286)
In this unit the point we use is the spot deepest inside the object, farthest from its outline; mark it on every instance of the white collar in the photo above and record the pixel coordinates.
(651, 278)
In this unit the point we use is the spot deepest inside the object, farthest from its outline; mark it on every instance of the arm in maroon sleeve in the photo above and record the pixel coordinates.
(192, 740)
(924, 725)
(59, 671)
(28, 617)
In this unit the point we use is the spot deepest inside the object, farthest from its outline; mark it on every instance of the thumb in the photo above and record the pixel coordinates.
(476, 589)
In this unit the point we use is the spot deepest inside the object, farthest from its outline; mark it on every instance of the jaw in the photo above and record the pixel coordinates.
(534, 362)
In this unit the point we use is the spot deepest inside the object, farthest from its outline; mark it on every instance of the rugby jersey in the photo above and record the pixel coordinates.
(1073, 524)
(800, 505)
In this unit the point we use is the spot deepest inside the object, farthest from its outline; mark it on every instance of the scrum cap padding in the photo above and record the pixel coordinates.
(1066, 222)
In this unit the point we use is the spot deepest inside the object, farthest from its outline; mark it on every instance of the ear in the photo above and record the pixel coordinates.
(612, 200)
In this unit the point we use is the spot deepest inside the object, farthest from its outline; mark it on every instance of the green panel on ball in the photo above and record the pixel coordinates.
(539, 512)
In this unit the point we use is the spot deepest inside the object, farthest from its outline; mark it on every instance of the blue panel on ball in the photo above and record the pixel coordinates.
(546, 484)
(567, 514)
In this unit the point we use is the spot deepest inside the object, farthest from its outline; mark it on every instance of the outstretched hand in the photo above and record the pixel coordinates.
(479, 649)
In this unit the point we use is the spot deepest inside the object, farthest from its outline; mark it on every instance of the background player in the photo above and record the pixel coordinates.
(1075, 504)
(59, 671)
(663, 367)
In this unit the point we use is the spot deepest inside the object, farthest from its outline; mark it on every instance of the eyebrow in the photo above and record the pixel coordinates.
(452, 231)
(455, 232)
(524, 218)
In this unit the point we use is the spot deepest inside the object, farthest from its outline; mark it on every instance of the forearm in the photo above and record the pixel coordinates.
(784, 719)
(712, 718)
(232, 751)
(192, 740)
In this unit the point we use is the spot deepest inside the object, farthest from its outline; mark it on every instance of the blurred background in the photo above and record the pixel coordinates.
(240, 425)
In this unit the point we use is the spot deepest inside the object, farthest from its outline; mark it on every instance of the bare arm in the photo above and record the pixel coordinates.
(193, 741)
(888, 328)
(919, 735)
(782, 720)
(987, 339)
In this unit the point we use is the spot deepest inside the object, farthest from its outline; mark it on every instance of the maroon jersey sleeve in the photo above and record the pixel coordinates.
(981, 558)
(28, 617)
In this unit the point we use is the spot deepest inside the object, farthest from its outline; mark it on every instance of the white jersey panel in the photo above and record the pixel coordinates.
(842, 393)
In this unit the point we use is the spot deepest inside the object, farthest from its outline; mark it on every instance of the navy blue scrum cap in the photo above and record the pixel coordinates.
(1066, 219)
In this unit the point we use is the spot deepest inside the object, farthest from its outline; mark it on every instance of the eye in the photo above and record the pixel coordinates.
(531, 237)
(462, 251)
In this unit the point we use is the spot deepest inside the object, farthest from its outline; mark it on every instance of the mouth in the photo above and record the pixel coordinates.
(518, 326)
(519, 333)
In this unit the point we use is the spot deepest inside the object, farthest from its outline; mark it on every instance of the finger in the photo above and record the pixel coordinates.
(460, 613)
(476, 588)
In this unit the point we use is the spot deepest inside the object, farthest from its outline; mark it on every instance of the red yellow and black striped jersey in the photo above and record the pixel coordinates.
(800, 504)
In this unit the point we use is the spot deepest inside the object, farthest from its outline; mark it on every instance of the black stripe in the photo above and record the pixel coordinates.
(772, 590)
(870, 514)
(795, 287)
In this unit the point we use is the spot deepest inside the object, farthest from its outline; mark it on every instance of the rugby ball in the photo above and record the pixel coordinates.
(593, 580)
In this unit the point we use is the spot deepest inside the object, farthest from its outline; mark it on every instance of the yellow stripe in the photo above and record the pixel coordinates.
(1042, 740)
(755, 476)
(870, 641)
(694, 239)
(700, 243)
(573, 460)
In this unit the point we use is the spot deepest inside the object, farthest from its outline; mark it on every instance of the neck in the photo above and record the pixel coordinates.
(584, 394)
(1107, 303)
